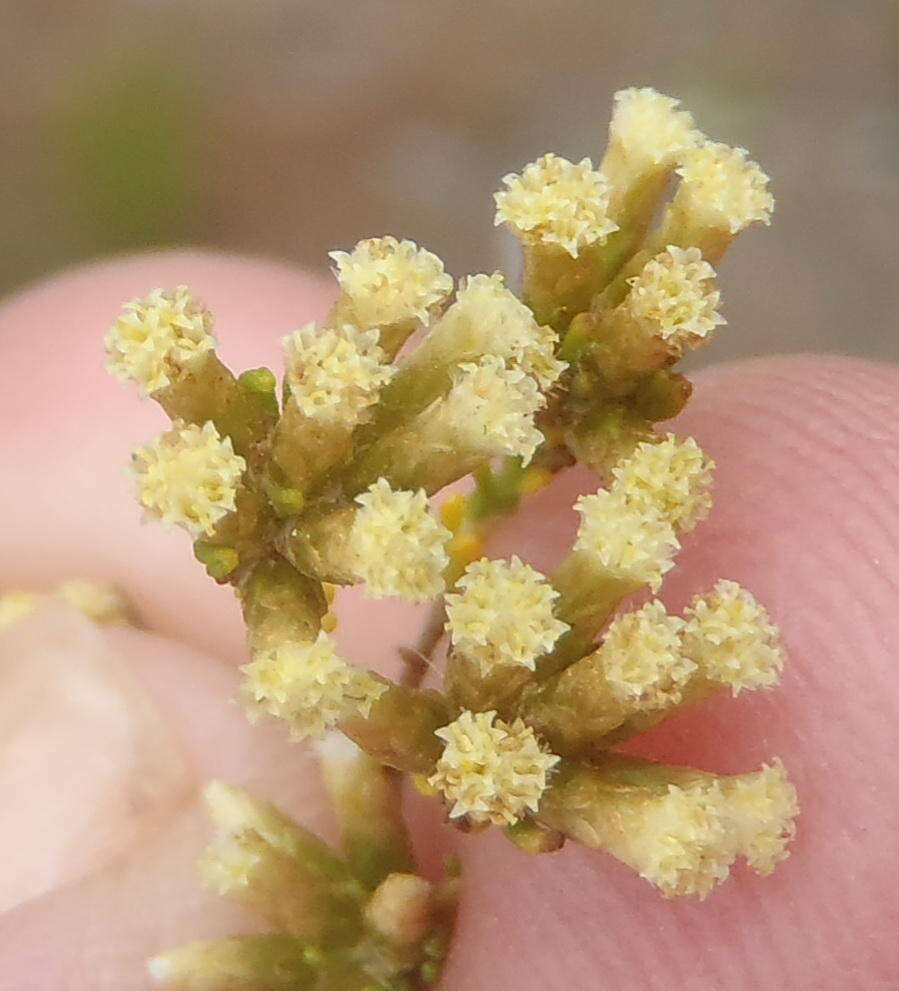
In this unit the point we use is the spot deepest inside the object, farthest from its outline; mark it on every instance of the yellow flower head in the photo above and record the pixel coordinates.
(156, 337)
(398, 546)
(674, 298)
(491, 770)
(721, 187)
(650, 128)
(335, 373)
(642, 659)
(763, 806)
(308, 685)
(188, 477)
(503, 614)
(683, 846)
(391, 282)
(672, 477)
(627, 539)
(490, 409)
(554, 201)
(487, 319)
(730, 636)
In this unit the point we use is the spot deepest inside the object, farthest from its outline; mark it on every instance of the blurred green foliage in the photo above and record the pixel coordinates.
(125, 152)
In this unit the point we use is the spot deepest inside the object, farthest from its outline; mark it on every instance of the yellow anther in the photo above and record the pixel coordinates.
(453, 511)
(534, 480)
(465, 548)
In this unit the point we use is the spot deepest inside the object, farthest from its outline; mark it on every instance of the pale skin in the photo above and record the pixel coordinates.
(806, 510)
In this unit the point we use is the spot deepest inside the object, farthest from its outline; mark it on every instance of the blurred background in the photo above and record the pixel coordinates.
(287, 128)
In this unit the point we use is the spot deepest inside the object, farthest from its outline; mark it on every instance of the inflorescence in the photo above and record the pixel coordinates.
(289, 497)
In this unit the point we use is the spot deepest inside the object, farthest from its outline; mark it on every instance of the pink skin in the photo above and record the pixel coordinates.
(805, 516)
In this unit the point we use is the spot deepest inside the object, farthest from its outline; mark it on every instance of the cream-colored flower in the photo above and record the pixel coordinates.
(227, 865)
(650, 128)
(156, 337)
(398, 546)
(762, 807)
(721, 187)
(308, 685)
(554, 201)
(503, 614)
(642, 657)
(682, 844)
(491, 770)
(390, 282)
(732, 639)
(627, 539)
(674, 298)
(188, 477)
(490, 410)
(672, 477)
(487, 319)
(335, 373)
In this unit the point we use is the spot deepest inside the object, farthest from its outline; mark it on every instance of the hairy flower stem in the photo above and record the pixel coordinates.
(588, 596)
(280, 605)
(243, 408)
(399, 729)
(634, 202)
(365, 798)
(556, 286)
(699, 687)
(320, 545)
(304, 450)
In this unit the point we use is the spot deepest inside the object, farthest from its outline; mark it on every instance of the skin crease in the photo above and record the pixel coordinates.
(805, 516)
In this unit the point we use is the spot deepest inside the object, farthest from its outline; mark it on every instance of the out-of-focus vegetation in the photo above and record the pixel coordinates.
(290, 127)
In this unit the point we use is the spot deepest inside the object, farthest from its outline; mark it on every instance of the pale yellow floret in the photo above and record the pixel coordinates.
(721, 187)
(156, 337)
(503, 614)
(682, 844)
(236, 964)
(650, 128)
(673, 477)
(674, 298)
(308, 685)
(491, 770)
(400, 909)
(227, 866)
(642, 658)
(253, 851)
(555, 201)
(207, 966)
(335, 373)
(391, 282)
(490, 410)
(234, 811)
(626, 539)
(398, 545)
(188, 477)
(730, 636)
(486, 318)
(763, 806)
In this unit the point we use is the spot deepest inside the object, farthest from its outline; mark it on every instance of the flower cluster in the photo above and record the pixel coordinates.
(156, 338)
(291, 495)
